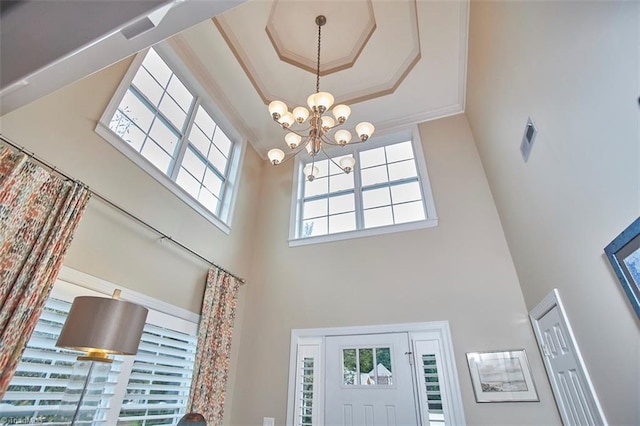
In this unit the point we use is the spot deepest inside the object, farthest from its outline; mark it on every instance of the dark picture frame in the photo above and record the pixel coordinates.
(501, 376)
(624, 255)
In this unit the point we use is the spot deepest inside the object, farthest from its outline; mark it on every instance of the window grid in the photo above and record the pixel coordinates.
(389, 175)
(159, 117)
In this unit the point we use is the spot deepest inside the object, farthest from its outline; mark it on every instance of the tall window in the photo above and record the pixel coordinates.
(159, 121)
(387, 191)
(150, 388)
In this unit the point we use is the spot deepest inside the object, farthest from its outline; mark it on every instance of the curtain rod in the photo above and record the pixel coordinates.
(163, 236)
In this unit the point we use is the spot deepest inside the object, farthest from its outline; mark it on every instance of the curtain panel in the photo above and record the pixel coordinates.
(39, 213)
(215, 332)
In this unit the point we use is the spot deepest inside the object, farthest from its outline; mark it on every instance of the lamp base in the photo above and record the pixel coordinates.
(83, 394)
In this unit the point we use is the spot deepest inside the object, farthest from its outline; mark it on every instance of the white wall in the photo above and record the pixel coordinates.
(574, 68)
(460, 271)
(110, 246)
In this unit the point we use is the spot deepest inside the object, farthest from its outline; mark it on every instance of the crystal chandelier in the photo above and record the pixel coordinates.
(319, 126)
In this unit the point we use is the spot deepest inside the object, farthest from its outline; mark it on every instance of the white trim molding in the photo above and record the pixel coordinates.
(437, 332)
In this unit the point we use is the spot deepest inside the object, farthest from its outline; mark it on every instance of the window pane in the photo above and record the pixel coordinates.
(313, 227)
(342, 222)
(148, 86)
(372, 157)
(376, 197)
(157, 67)
(366, 366)
(317, 187)
(213, 182)
(164, 136)
(188, 183)
(402, 170)
(349, 367)
(173, 112)
(340, 182)
(341, 204)
(406, 192)
(223, 143)
(205, 122)
(208, 200)
(193, 164)
(199, 141)
(156, 155)
(314, 208)
(408, 212)
(383, 366)
(400, 151)
(180, 93)
(133, 108)
(378, 217)
(217, 159)
(374, 175)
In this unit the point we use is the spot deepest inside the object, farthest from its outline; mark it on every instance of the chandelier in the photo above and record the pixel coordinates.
(320, 127)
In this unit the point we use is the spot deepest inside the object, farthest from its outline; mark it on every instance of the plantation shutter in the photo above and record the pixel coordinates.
(38, 386)
(307, 410)
(160, 378)
(430, 381)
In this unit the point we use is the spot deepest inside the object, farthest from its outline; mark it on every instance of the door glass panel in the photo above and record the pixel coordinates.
(366, 367)
(349, 367)
(383, 366)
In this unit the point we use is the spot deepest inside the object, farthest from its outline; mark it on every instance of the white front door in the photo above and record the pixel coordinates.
(575, 396)
(369, 381)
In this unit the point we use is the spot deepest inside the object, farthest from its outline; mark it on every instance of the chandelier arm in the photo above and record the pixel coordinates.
(332, 160)
(295, 152)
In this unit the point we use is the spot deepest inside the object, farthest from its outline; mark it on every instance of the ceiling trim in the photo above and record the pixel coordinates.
(307, 64)
(350, 98)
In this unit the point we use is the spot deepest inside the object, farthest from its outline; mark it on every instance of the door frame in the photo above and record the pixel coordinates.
(549, 302)
(434, 331)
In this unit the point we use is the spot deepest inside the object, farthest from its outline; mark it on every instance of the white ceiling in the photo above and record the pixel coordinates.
(395, 62)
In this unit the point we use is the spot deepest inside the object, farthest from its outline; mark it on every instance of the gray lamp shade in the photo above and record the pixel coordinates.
(100, 324)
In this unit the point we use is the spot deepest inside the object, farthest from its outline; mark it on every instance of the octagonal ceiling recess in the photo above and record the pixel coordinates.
(289, 32)
(353, 41)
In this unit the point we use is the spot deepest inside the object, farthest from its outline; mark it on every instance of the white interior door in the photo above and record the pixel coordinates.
(369, 381)
(574, 394)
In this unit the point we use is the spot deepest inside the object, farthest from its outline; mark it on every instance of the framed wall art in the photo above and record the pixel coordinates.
(501, 376)
(624, 255)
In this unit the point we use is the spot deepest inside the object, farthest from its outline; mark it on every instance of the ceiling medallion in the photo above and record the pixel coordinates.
(319, 126)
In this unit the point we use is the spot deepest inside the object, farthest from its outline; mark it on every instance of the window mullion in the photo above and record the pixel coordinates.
(184, 140)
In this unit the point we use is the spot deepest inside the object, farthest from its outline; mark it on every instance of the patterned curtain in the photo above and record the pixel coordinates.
(39, 213)
(214, 346)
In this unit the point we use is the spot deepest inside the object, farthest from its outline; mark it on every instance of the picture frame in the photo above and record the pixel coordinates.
(624, 255)
(501, 376)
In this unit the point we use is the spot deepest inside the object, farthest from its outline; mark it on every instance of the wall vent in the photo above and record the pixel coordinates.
(528, 138)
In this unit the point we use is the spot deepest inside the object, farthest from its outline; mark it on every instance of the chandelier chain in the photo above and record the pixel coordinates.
(318, 66)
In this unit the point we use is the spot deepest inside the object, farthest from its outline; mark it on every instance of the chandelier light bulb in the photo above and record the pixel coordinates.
(347, 163)
(292, 139)
(327, 123)
(310, 171)
(341, 113)
(323, 100)
(277, 109)
(343, 137)
(275, 156)
(300, 114)
(286, 119)
(365, 130)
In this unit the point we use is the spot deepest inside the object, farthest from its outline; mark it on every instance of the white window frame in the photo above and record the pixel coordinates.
(223, 219)
(434, 336)
(72, 283)
(380, 139)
